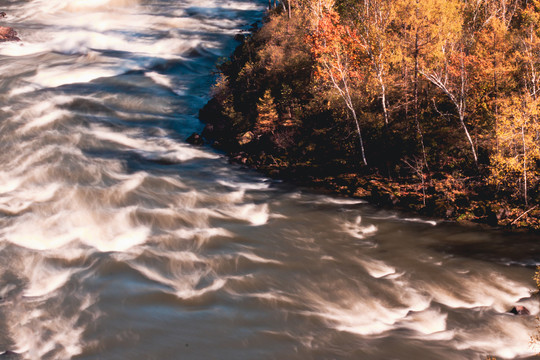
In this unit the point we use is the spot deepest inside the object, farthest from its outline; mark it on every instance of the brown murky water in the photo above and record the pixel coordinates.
(120, 241)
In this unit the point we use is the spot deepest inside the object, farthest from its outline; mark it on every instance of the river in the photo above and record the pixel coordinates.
(118, 240)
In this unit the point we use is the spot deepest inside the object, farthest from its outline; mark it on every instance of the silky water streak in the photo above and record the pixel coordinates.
(118, 240)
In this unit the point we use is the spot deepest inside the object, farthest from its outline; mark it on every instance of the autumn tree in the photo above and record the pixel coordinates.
(529, 46)
(450, 65)
(333, 48)
(517, 126)
(267, 116)
(518, 152)
(372, 20)
(418, 37)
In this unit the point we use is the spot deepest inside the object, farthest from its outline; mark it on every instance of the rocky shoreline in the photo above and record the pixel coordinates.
(436, 199)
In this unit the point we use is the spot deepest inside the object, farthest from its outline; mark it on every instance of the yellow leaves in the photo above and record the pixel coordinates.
(267, 118)
(317, 10)
(221, 85)
(518, 146)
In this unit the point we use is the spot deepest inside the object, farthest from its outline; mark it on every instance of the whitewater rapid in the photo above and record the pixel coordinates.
(118, 240)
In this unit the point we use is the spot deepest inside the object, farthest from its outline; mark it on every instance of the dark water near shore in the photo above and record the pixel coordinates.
(120, 241)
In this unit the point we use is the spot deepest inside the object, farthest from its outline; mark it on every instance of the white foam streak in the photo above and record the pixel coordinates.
(202, 234)
(255, 214)
(370, 315)
(160, 79)
(505, 337)
(495, 291)
(244, 186)
(184, 280)
(426, 322)
(58, 76)
(45, 279)
(152, 148)
(355, 229)
(367, 318)
(377, 268)
(85, 6)
(8, 183)
(343, 201)
(24, 198)
(103, 231)
(37, 336)
(421, 221)
(257, 259)
(39, 114)
(44, 120)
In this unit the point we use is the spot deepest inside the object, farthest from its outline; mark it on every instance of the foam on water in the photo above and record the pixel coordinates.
(426, 322)
(85, 6)
(95, 179)
(58, 76)
(367, 315)
(342, 201)
(19, 201)
(44, 278)
(38, 335)
(356, 230)
(105, 231)
(491, 290)
(188, 275)
(421, 221)
(153, 148)
(377, 268)
(257, 259)
(261, 185)
(505, 336)
(44, 120)
(160, 79)
(202, 235)
(364, 318)
(255, 214)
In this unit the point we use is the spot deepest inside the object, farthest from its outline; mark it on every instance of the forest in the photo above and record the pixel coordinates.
(430, 106)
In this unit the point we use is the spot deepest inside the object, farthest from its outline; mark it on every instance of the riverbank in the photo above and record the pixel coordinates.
(271, 112)
(438, 198)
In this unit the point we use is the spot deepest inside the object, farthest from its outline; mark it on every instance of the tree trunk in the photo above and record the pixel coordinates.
(383, 96)
(462, 121)
(525, 195)
(416, 120)
(359, 136)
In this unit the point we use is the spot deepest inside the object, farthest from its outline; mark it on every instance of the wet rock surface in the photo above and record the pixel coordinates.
(7, 33)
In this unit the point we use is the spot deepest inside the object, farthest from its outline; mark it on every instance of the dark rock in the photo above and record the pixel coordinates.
(2, 14)
(210, 111)
(491, 219)
(520, 310)
(8, 34)
(195, 139)
(240, 38)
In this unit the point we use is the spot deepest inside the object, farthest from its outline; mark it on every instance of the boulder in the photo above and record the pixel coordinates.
(195, 139)
(520, 310)
(8, 34)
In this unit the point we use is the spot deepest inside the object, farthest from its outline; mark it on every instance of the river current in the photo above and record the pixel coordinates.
(118, 240)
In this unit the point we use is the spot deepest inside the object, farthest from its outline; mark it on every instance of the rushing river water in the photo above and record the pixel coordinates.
(120, 241)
